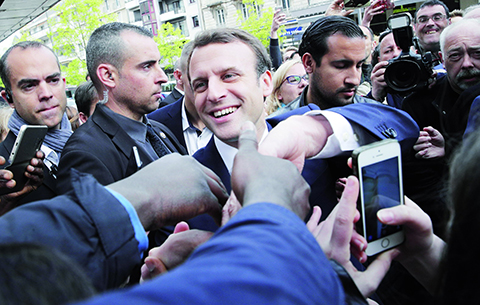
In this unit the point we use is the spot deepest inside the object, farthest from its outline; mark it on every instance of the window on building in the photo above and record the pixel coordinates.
(175, 6)
(161, 5)
(220, 16)
(137, 16)
(248, 9)
(195, 21)
(192, 1)
(182, 25)
(286, 4)
(106, 5)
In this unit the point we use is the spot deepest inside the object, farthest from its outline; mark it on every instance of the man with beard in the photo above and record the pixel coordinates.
(333, 52)
(446, 105)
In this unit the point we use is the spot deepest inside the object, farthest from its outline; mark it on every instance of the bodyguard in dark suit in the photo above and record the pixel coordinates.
(118, 139)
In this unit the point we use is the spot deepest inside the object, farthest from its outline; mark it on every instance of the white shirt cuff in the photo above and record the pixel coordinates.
(343, 138)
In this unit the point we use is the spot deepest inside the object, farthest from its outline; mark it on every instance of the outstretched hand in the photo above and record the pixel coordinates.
(430, 144)
(277, 21)
(159, 203)
(296, 138)
(174, 251)
(338, 240)
(256, 178)
(337, 7)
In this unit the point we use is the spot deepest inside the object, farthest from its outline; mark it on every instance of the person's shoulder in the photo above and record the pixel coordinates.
(289, 107)
(358, 99)
(86, 137)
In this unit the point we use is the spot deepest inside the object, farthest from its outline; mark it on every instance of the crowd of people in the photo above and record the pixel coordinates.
(236, 189)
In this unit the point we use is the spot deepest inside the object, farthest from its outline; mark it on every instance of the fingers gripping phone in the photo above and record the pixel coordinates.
(378, 167)
(28, 142)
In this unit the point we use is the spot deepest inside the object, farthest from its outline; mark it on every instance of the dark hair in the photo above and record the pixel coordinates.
(314, 40)
(34, 274)
(106, 46)
(227, 35)
(5, 71)
(432, 3)
(85, 96)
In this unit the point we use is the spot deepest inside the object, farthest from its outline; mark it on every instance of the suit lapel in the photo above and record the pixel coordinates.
(210, 157)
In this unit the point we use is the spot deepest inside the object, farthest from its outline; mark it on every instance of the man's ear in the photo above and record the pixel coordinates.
(107, 74)
(8, 97)
(267, 82)
(440, 54)
(177, 74)
(82, 118)
(308, 63)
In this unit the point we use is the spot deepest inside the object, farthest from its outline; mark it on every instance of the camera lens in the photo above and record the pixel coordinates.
(402, 75)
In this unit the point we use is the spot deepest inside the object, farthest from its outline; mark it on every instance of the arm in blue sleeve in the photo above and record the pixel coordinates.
(263, 255)
(140, 234)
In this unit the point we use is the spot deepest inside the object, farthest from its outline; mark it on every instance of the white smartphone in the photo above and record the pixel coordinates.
(378, 167)
(28, 142)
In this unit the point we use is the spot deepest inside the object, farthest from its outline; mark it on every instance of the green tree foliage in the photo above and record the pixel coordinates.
(258, 20)
(170, 42)
(70, 31)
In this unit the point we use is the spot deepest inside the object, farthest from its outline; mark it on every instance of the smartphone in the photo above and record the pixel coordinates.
(378, 167)
(28, 142)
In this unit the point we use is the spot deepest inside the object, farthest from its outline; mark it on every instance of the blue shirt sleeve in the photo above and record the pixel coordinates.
(140, 234)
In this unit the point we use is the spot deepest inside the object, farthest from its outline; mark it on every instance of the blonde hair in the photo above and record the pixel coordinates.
(5, 113)
(272, 102)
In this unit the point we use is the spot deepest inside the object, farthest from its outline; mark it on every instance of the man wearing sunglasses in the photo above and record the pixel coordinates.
(430, 20)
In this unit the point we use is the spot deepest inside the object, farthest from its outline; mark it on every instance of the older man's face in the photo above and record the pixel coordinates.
(461, 57)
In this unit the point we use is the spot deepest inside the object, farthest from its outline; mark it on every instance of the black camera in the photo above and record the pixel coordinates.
(408, 71)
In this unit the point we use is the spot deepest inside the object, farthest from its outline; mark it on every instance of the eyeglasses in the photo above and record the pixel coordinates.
(295, 79)
(435, 18)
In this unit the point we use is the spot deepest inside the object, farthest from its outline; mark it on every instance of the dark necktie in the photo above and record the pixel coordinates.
(156, 143)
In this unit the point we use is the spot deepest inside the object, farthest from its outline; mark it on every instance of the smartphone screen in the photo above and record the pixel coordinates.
(381, 189)
(378, 168)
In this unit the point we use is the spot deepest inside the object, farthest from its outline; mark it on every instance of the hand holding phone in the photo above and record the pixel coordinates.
(28, 142)
(378, 167)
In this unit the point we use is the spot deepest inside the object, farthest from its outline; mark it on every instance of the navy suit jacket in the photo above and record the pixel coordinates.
(102, 148)
(372, 121)
(171, 116)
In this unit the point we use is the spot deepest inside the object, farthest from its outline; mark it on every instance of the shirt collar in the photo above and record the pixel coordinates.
(135, 129)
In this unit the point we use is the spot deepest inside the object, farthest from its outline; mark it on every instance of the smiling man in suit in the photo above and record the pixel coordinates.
(230, 89)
